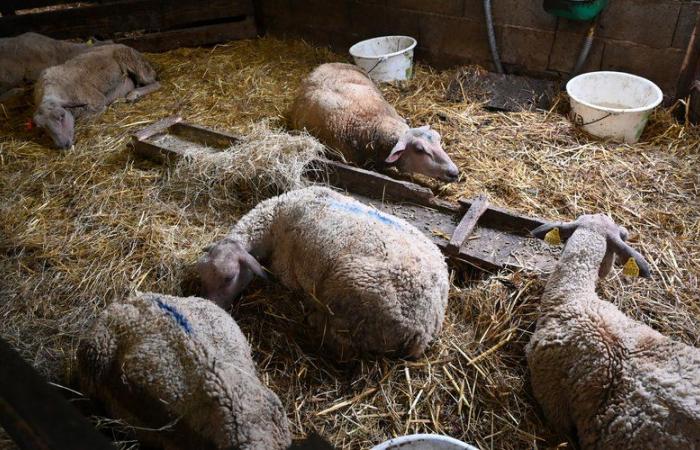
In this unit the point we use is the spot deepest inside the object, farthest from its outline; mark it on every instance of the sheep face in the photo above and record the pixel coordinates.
(225, 270)
(57, 122)
(614, 234)
(419, 151)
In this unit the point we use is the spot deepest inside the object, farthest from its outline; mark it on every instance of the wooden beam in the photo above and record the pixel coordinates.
(126, 15)
(35, 415)
(467, 224)
(156, 127)
(193, 37)
(16, 5)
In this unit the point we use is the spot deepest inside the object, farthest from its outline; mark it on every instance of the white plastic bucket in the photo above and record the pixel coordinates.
(424, 442)
(385, 58)
(614, 105)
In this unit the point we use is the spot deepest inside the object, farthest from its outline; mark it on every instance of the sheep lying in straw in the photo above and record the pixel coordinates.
(87, 84)
(180, 369)
(599, 375)
(23, 57)
(340, 105)
(375, 284)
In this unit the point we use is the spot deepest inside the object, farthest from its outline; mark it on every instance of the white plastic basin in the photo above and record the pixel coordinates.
(386, 58)
(424, 442)
(613, 105)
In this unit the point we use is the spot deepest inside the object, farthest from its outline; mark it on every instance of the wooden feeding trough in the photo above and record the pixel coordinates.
(469, 231)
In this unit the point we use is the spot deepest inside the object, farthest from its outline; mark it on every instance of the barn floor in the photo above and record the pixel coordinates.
(80, 228)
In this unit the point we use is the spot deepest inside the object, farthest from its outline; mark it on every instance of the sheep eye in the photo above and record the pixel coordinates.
(228, 280)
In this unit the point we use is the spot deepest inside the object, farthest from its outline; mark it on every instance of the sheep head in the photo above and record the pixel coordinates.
(225, 270)
(57, 121)
(614, 234)
(419, 151)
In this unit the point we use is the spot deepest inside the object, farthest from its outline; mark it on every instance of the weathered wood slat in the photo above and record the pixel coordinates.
(35, 415)
(15, 5)
(467, 224)
(366, 182)
(157, 127)
(506, 219)
(193, 37)
(124, 15)
(203, 135)
(471, 231)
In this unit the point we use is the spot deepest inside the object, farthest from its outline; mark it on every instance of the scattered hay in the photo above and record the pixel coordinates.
(264, 163)
(81, 228)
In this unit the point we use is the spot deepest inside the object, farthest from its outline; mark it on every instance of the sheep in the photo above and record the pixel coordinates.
(180, 371)
(23, 57)
(374, 284)
(341, 106)
(597, 374)
(87, 84)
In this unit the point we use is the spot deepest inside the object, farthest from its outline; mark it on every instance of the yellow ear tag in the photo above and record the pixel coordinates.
(89, 42)
(552, 237)
(631, 269)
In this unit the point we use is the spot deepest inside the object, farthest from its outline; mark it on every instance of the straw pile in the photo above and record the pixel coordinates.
(81, 228)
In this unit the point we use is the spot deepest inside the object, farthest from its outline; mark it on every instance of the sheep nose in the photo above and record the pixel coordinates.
(453, 173)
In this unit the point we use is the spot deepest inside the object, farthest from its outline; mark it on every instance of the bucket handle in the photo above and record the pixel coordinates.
(577, 119)
(381, 60)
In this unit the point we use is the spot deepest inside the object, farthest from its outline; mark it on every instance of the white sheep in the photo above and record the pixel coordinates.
(599, 375)
(23, 57)
(376, 285)
(180, 370)
(341, 106)
(86, 84)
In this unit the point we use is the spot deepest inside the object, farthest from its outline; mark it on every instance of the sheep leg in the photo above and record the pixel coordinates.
(142, 91)
(122, 90)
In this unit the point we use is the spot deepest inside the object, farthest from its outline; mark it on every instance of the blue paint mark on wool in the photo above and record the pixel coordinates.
(361, 211)
(175, 314)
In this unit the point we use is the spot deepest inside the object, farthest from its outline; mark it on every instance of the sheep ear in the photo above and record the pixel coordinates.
(248, 261)
(634, 262)
(606, 265)
(566, 229)
(208, 248)
(396, 152)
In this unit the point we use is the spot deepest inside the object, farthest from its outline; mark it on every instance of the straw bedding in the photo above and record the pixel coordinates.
(81, 228)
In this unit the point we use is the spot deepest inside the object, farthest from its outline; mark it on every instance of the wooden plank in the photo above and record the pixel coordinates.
(35, 415)
(367, 182)
(203, 135)
(126, 15)
(16, 5)
(157, 127)
(471, 231)
(467, 224)
(154, 152)
(193, 37)
(505, 219)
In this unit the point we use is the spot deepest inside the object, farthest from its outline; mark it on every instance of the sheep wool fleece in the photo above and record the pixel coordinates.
(377, 284)
(598, 374)
(181, 370)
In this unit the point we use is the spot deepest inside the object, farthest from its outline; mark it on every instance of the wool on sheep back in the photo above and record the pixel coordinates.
(181, 371)
(374, 283)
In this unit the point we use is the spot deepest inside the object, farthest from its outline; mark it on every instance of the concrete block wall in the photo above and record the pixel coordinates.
(646, 37)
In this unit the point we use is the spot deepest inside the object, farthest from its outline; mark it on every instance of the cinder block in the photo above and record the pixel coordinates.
(566, 49)
(474, 10)
(662, 66)
(370, 20)
(445, 7)
(521, 13)
(644, 22)
(524, 47)
(459, 37)
(686, 22)
(446, 61)
(322, 14)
